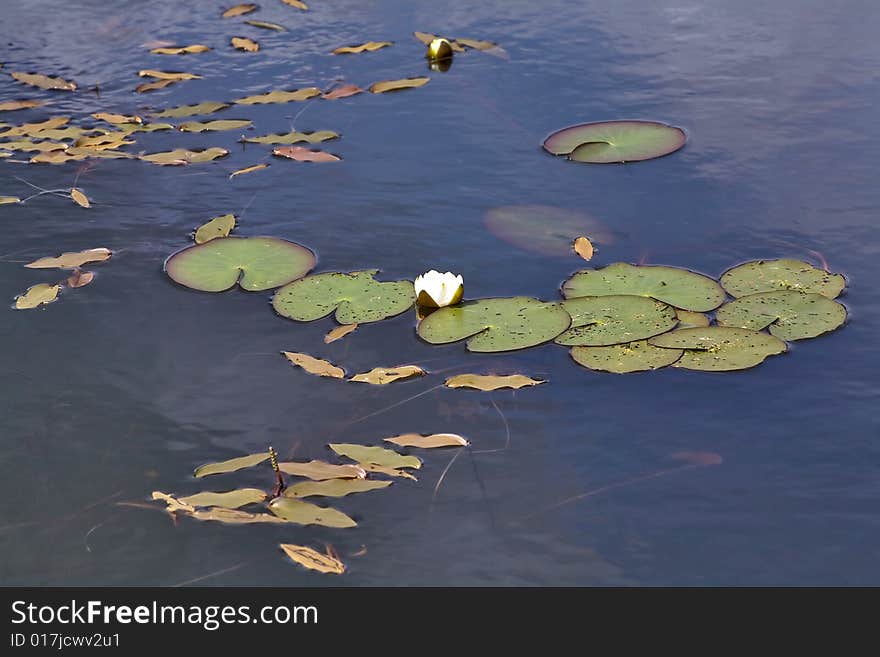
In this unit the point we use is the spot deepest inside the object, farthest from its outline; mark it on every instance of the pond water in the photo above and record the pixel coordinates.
(123, 387)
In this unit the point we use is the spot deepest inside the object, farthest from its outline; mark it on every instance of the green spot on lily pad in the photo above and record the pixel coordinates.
(785, 274)
(791, 315)
(677, 287)
(254, 263)
(719, 349)
(637, 356)
(496, 324)
(356, 297)
(614, 319)
(606, 142)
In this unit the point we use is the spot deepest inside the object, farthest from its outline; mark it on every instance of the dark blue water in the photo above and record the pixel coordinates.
(124, 386)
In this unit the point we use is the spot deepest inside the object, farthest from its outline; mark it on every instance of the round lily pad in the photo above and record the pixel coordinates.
(785, 274)
(255, 263)
(637, 356)
(791, 315)
(356, 297)
(677, 287)
(719, 349)
(545, 229)
(614, 319)
(615, 141)
(496, 324)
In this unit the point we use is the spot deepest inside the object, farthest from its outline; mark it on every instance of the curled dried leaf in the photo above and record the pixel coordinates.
(180, 50)
(71, 260)
(583, 247)
(240, 10)
(380, 376)
(339, 332)
(266, 25)
(250, 169)
(80, 278)
(369, 46)
(428, 442)
(299, 4)
(314, 365)
(491, 382)
(117, 118)
(37, 295)
(344, 91)
(7, 200)
(396, 85)
(313, 560)
(79, 198)
(167, 75)
(245, 44)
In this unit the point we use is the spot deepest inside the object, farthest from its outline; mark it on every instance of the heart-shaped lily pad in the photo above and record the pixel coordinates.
(255, 263)
(784, 274)
(496, 324)
(615, 141)
(677, 287)
(614, 319)
(356, 297)
(791, 315)
(637, 356)
(719, 349)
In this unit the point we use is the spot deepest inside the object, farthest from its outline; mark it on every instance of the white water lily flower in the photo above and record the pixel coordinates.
(436, 290)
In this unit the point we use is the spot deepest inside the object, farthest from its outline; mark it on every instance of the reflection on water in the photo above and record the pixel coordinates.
(128, 384)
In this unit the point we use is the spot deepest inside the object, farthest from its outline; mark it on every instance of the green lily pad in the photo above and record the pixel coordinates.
(636, 356)
(791, 315)
(356, 297)
(785, 274)
(677, 287)
(615, 141)
(615, 319)
(545, 229)
(254, 263)
(496, 324)
(719, 349)
(305, 513)
(689, 319)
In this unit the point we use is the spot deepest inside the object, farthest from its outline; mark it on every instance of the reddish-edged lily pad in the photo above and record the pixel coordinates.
(607, 142)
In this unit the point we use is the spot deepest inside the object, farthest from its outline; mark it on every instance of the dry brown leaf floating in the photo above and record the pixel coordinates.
(583, 247)
(490, 382)
(343, 91)
(231, 465)
(79, 198)
(250, 169)
(12, 105)
(381, 376)
(266, 25)
(44, 81)
(296, 3)
(280, 96)
(168, 75)
(369, 46)
(339, 332)
(429, 442)
(117, 118)
(80, 278)
(217, 227)
(7, 200)
(71, 260)
(180, 50)
(314, 365)
(313, 560)
(37, 295)
(245, 44)
(239, 10)
(396, 85)
(173, 504)
(301, 154)
(320, 470)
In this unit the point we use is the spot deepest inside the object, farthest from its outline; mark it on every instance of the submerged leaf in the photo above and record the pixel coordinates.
(369, 46)
(615, 319)
(785, 274)
(320, 470)
(180, 50)
(71, 260)
(377, 455)
(266, 25)
(208, 107)
(487, 382)
(250, 169)
(37, 295)
(217, 227)
(234, 516)
(301, 154)
(280, 96)
(80, 278)
(428, 442)
(13, 105)
(239, 10)
(789, 314)
(583, 247)
(182, 156)
(314, 365)
(215, 126)
(339, 332)
(544, 229)
(232, 499)
(344, 91)
(167, 75)
(254, 263)
(79, 198)
(615, 141)
(719, 349)
(306, 556)
(396, 85)
(380, 376)
(245, 44)
(44, 81)
(334, 487)
(305, 513)
(293, 137)
(637, 356)
(231, 465)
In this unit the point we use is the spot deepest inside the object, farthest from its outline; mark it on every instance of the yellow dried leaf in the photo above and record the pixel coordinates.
(396, 85)
(231, 465)
(71, 260)
(384, 375)
(335, 487)
(37, 295)
(117, 118)
(314, 365)
(239, 10)
(147, 127)
(428, 442)
(369, 46)
(75, 153)
(339, 332)
(208, 107)
(251, 169)
(280, 96)
(583, 247)
(80, 278)
(306, 556)
(232, 499)
(12, 105)
(180, 50)
(28, 145)
(106, 142)
(301, 154)
(293, 137)
(214, 126)
(79, 198)
(377, 455)
(391, 472)
(8, 200)
(296, 3)
(320, 470)
(153, 86)
(305, 513)
(33, 129)
(265, 25)
(491, 382)
(167, 75)
(477, 44)
(44, 81)
(344, 91)
(217, 227)
(243, 43)
(70, 132)
(182, 156)
(173, 504)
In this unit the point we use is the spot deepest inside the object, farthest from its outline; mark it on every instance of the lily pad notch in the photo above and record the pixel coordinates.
(615, 142)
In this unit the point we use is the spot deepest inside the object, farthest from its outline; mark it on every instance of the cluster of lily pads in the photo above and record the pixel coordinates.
(618, 318)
